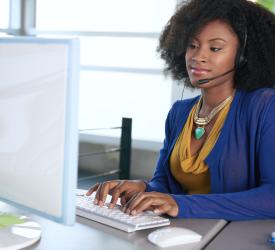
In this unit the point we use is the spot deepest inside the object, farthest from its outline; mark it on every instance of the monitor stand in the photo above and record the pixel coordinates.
(21, 235)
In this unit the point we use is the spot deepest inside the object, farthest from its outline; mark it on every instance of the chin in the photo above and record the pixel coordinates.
(196, 85)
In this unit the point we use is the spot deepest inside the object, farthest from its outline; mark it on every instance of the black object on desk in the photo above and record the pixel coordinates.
(87, 177)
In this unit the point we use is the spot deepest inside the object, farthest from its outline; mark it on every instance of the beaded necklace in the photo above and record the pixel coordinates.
(201, 122)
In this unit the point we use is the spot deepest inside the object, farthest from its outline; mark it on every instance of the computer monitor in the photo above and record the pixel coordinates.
(38, 125)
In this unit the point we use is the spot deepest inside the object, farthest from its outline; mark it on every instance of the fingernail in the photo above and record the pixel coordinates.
(128, 211)
(95, 201)
(134, 212)
(156, 211)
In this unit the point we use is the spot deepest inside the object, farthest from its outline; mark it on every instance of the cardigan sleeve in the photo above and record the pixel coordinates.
(255, 203)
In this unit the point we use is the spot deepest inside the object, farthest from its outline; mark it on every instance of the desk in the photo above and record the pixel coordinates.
(88, 235)
(244, 235)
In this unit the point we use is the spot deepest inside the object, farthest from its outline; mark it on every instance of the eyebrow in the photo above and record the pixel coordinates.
(213, 39)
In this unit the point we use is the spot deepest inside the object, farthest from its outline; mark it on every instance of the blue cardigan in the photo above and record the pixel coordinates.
(241, 164)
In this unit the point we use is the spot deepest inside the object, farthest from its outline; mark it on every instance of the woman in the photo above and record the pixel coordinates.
(218, 158)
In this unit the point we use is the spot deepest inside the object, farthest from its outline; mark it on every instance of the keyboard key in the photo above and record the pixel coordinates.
(115, 217)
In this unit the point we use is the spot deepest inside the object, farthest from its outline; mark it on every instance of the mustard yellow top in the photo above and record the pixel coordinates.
(191, 171)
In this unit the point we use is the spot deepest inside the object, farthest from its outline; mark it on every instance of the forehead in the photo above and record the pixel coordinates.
(217, 29)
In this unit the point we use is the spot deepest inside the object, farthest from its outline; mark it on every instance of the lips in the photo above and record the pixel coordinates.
(199, 71)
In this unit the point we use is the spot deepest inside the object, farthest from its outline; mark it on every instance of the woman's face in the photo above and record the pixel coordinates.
(211, 53)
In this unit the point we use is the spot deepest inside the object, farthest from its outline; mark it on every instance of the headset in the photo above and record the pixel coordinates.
(241, 60)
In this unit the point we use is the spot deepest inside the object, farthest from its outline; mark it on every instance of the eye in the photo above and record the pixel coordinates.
(214, 49)
(192, 46)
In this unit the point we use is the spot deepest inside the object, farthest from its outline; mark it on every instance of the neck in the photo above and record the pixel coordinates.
(211, 98)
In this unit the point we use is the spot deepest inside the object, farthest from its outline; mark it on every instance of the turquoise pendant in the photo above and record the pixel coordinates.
(199, 132)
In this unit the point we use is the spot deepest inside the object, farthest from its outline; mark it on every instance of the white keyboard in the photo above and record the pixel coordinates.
(86, 208)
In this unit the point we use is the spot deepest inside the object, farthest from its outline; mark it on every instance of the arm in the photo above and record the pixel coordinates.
(255, 203)
(159, 182)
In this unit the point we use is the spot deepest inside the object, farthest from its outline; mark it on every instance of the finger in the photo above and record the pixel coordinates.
(128, 203)
(162, 209)
(97, 194)
(92, 189)
(167, 205)
(134, 201)
(173, 210)
(145, 204)
(104, 190)
(148, 203)
(126, 197)
(113, 185)
(121, 191)
(158, 205)
(116, 193)
(138, 199)
(123, 200)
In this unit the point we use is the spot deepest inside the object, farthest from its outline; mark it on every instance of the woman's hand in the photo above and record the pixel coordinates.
(160, 203)
(117, 189)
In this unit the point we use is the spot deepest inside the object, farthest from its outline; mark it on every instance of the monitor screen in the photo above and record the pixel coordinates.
(38, 125)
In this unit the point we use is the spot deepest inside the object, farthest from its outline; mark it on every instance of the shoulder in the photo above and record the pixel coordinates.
(184, 105)
(262, 94)
(257, 107)
(259, 99)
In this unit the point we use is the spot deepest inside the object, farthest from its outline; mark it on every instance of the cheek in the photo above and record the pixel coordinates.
(227, 61)
(187, 58)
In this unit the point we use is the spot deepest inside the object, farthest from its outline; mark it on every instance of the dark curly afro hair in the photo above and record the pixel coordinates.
(247, 19)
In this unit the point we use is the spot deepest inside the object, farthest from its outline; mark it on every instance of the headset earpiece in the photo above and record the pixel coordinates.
(240, 57)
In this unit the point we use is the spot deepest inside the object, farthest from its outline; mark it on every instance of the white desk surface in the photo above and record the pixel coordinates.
(86, 234)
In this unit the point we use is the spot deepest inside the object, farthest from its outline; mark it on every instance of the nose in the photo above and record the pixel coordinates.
(199, 55)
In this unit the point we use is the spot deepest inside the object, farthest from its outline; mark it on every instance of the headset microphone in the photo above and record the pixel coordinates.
(203, 81)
